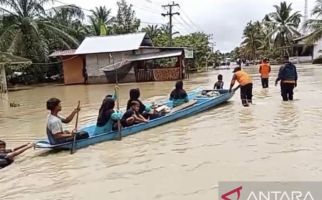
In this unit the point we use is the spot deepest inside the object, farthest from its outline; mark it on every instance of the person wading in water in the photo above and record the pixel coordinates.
(7, 155)
(246, 85)
(288, 77)
(264, 70)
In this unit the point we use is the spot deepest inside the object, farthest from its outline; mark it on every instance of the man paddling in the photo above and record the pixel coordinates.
(55, 132)
(7, 155)
(246, 85)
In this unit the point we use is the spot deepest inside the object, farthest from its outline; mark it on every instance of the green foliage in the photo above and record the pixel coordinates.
(125, 20)
(100, 21)
(30, 32)
(315, 25)
(273, 36)
(153, 31)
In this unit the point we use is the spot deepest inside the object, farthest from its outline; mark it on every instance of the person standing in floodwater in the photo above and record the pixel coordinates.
(246, 85)
(264, 70)
(288, 77)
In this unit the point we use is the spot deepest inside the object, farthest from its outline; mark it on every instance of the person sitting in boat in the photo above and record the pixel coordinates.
(146, 111)
(55, 132)
(107, 117)
(178, 96)
(132, 116)
(7, 155)
(219, 85)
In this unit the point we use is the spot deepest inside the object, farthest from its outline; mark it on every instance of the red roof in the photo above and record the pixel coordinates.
(69, 52)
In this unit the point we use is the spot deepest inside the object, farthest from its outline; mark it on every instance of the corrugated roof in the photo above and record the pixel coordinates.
(114, 43)
(69, 52)
(149, 56)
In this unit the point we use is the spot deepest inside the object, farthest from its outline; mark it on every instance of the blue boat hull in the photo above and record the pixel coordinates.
(202, 104)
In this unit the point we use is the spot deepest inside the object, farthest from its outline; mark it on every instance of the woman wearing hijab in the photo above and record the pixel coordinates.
(179, 96)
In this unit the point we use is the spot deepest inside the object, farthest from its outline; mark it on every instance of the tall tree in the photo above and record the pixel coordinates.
(69, 19)
(251, 42)
(315, 25)
(101, 21)
(27, 31)
(125, 20)
(285, 23)
(153, 31)
(199, 42)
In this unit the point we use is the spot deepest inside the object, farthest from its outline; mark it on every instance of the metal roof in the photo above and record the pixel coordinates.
(140, 57)
(150, 56)
(69, 52)
(114, 43)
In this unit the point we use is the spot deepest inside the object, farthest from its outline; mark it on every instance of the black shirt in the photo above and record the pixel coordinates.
(4, 162)
(142, 106)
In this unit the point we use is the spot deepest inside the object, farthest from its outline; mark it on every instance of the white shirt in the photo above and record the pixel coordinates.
(54, 124)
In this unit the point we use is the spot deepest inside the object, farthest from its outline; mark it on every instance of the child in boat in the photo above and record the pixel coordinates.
(107, 117)
(132, 116)
(146, 111)
(178, 96)
(219, 85)
(7, 155)
(55, 132)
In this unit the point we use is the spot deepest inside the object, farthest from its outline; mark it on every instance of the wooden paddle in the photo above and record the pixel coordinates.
(72, 150)
(119, 127)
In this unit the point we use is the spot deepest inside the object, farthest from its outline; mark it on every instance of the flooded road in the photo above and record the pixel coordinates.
(269, 141)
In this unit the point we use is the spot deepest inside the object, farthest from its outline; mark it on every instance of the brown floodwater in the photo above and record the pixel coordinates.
(269, 141)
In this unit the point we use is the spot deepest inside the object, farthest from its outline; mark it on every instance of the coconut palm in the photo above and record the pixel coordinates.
(26, 30)
(100, 20)
(315, 25)
(251, 42)
(69, 18)
(152, 30)
(285, 23)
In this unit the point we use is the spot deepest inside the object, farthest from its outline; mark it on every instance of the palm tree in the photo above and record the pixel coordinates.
(69, 18)
(251, 42)
(26, 30)
(285, 24)
(152, 30)
(66, 15)
(315, 25)
(100, 20)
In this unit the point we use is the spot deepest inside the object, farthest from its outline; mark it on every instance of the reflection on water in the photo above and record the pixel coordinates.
(270, 140)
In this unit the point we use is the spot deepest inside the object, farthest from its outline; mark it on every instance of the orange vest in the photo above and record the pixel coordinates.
(264, 70)
(243, 78)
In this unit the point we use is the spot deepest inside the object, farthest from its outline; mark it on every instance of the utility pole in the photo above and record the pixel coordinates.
(170, 13)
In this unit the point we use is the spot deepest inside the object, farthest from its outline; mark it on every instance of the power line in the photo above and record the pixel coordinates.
(187, 24)
(170, 14)
(183, 25)
(159, 23)
(147, 10)
(189, 19)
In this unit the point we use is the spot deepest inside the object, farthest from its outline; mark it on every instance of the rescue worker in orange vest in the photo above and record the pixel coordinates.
(264, 70)
(246, 85)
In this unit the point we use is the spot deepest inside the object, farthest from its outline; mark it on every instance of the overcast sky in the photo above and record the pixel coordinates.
(225, 19)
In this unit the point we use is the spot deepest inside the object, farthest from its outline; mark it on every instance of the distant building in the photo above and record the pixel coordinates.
(303, 53)
(130, 57)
